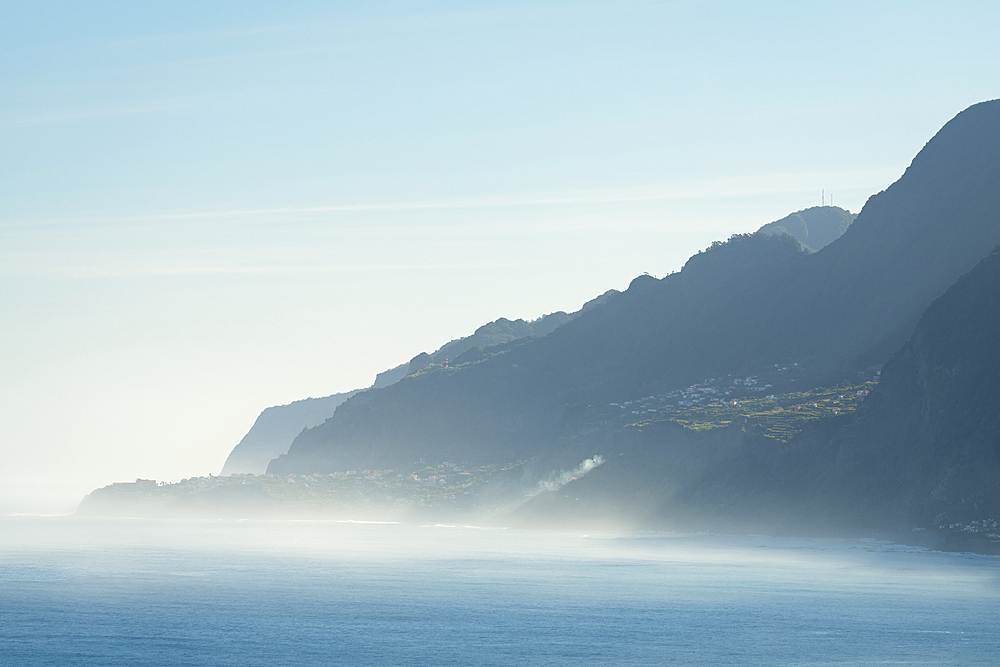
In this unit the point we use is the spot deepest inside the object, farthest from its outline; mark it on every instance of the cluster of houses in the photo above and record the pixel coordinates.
(729, 392)
(710, 391)
(198, 482)
(144, 483)
(985, 527)
(850, 397)
(451, 474)
(433, 484)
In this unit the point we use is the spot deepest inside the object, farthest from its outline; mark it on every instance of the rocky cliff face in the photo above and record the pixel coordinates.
(924, 448)
(274, 431)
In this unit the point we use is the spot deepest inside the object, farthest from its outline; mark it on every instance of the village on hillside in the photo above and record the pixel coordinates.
(717, 402)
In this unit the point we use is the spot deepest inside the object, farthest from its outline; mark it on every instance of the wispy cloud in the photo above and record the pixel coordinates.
(762, 184)
(225, 58)
(70, 269)
(96, 113)
(207, 35)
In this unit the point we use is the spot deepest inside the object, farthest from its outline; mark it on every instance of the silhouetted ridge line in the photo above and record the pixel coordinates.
(814, 227)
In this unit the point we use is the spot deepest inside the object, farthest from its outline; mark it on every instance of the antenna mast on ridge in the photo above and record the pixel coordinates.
(822, 198)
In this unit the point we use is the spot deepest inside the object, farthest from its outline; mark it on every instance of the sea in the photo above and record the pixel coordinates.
(99, 591)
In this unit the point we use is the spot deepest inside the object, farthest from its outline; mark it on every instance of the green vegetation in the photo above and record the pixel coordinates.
(717, 403)
(779, 417)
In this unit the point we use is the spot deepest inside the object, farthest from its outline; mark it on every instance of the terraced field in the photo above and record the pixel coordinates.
(779, 416)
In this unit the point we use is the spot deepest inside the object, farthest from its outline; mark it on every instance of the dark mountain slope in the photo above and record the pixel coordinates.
(497, 332)
(492, 333)
(753, 301)
(277, 426)
(501, 331)
(924, 448)
(814, 227)
(917, 237)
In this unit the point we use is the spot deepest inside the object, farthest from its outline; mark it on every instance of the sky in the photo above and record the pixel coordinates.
(210, 208)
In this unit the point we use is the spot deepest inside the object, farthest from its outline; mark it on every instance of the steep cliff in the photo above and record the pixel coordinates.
(924, 448)
(274, 430)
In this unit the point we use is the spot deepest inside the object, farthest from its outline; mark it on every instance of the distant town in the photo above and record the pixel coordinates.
(983, 528)
(438, 484)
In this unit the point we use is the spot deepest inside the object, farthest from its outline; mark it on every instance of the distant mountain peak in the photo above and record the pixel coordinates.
(813, 227)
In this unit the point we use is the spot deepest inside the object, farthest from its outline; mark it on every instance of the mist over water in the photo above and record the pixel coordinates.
(77, 591)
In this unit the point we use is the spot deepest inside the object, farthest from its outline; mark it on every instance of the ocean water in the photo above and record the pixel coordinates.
(85, 591)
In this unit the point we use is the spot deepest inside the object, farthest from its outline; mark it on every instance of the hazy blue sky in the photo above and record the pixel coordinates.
(210, 208)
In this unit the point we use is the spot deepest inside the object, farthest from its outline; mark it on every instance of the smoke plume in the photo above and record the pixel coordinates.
(555, 482)
(567, 476)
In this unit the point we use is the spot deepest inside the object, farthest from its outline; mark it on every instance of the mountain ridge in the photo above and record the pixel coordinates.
(749, 302)
(277, 426)
(814, 227)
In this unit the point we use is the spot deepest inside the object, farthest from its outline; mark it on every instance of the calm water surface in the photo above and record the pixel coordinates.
(84, 591)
